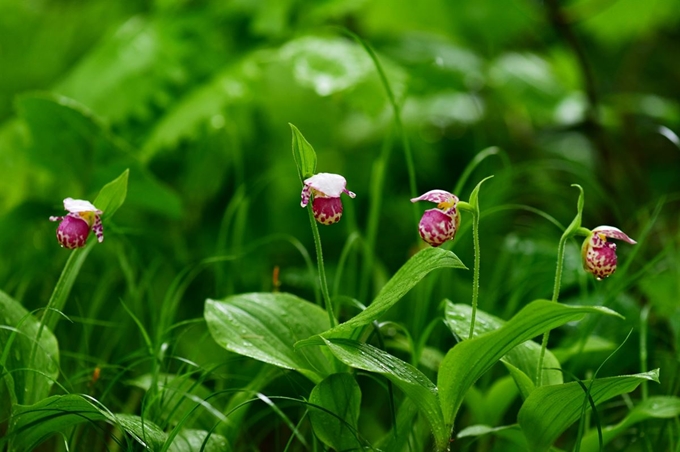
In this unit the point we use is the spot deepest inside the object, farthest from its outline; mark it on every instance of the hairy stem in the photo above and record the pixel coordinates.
(555, 296)
(475, 275)
(322, 272)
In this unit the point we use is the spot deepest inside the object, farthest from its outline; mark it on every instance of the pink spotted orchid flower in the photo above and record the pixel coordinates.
(599, 255)
(439, 225)
(75, 227)
(325, 189)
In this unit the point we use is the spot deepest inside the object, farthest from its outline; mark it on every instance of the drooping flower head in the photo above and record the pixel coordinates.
(599, 255)
(439, 225)
(75, 227)
(325, 188)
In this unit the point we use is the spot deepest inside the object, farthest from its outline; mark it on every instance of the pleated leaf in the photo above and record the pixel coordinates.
(549, 410)
(523, 358)
(469, 360)
(404, 280)
(264, 326)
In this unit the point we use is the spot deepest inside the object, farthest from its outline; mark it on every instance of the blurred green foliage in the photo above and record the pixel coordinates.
(195, 97)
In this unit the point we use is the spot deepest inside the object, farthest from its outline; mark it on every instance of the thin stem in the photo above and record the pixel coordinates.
(398, 125)
(555, 296)
(322, 271)
(644, 316)
(475, 275)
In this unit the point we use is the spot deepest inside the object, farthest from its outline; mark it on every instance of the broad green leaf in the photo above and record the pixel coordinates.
(660, 407)
(29, 379)
(549, 410)
(406, 377)
(32, 424)
(112, 195)
(303, 153)
(264, 326)
(407, 276)
(195, 440)
(524, 357)
(469, 360)
(340, 394)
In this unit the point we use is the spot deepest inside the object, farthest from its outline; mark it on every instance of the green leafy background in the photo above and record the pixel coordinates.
(195, 98)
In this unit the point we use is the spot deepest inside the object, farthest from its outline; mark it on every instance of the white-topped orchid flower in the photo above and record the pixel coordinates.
(76, 225)
(325, 190)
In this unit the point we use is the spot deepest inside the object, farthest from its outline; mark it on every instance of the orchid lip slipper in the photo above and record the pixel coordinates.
(599, 255)
(440, 224)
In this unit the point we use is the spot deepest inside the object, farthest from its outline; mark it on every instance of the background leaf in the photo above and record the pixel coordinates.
(190, 440)
(32, 424)
(32, 378)
(79, 153)
(264, 326)
(549, 410)
(658, 407)
(340, 394)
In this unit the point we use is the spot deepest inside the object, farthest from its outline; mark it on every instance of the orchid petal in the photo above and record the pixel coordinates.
(328, 185)
(79, 205)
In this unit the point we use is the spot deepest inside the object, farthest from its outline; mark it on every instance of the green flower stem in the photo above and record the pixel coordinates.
(555, 295)
(574, 228)
(475, 274)
(644, 317)
(322, 272)
(398, 125)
